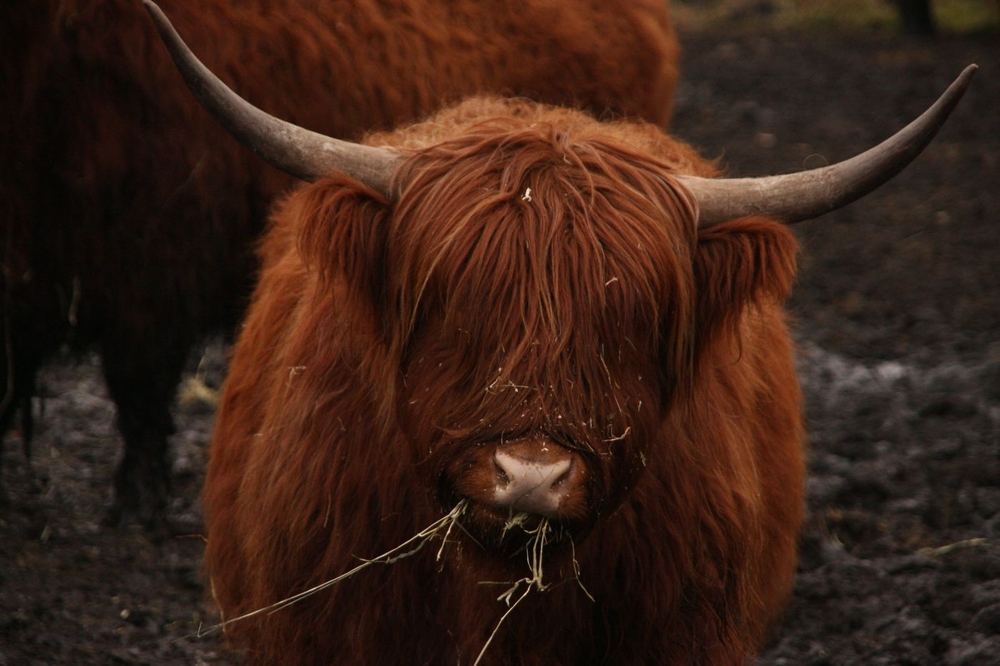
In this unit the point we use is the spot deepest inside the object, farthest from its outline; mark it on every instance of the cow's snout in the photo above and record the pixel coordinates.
(536, 477)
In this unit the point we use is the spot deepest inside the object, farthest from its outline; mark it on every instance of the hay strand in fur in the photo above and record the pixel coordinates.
(391, 556)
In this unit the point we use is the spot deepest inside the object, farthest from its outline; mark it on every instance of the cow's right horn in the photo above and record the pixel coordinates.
(808, 194)
(297, 151)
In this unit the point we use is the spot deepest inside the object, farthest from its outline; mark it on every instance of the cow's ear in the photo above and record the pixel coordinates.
(738, 265)
(343, 236)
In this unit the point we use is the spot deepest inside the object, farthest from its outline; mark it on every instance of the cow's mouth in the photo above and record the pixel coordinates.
(514, 489)
(507, 531)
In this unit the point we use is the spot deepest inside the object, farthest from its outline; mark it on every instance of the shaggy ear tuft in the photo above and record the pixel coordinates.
(343, 235)
(739, 264)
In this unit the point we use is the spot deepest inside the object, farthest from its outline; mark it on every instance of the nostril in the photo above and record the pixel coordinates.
(503, 478)
(563, 475)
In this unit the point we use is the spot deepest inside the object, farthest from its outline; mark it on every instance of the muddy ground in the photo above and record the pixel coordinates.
(898, 311)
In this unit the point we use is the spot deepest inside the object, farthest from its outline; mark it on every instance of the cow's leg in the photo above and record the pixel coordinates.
(9, 411)
(18, 390)
(142, 385)
(33, 325)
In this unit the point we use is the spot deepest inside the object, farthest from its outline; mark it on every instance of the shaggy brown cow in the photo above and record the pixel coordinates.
(127, 218)
(559, 334)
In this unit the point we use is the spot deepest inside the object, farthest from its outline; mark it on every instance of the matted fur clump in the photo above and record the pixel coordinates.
(539, 285)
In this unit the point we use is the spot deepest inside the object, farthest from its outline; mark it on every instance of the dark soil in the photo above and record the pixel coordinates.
(898, 319)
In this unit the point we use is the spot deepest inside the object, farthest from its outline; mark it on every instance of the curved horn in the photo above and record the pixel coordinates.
(304, 154)
(808, 194)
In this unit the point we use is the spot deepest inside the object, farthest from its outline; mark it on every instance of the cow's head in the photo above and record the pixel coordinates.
(534, 292)
(540, 299)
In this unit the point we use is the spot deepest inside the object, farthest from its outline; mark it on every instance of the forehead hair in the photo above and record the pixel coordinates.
(542, 243)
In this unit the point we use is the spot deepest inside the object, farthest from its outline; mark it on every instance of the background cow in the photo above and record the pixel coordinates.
(562, 334)
(118, 235)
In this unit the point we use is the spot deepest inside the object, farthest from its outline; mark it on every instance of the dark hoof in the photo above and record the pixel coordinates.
(141, 493)
(153, 521)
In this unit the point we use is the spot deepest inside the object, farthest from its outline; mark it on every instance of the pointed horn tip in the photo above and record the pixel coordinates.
(957, 89)
(160, 20)
(151, 6)
(960, 83)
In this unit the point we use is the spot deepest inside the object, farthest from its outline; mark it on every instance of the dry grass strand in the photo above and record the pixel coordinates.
(391, 556)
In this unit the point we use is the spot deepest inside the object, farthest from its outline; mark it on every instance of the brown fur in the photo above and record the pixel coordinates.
(388, 344)
(127, 217)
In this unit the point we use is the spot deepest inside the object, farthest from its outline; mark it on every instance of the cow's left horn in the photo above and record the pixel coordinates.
(293, 149)
(808, 194)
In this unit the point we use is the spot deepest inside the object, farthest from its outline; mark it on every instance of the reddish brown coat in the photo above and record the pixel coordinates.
(388, 344)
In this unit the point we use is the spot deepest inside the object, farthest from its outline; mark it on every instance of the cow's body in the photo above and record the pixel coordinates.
(540, 277)
(128, 218)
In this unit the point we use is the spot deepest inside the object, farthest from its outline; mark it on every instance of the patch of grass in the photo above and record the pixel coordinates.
(967, 16)
(952, 16)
